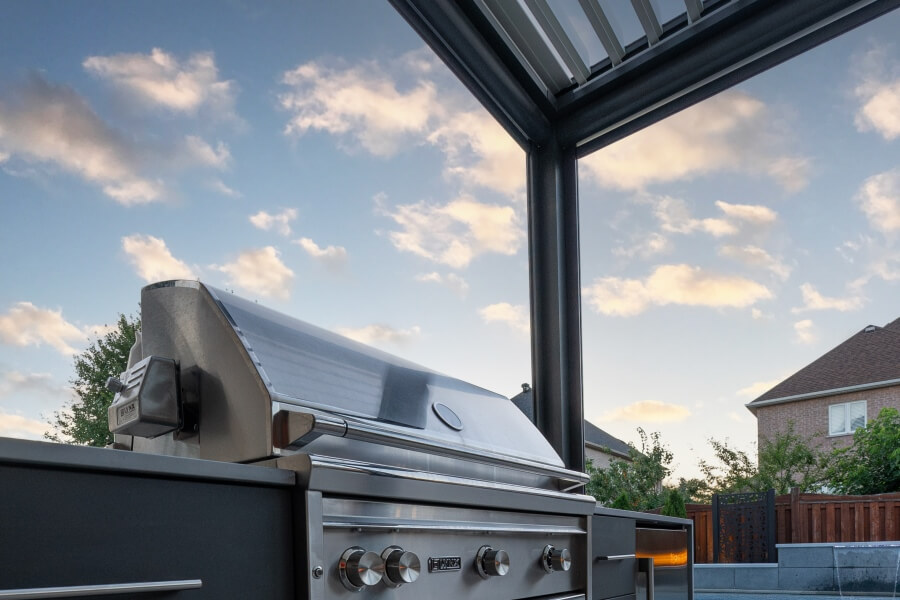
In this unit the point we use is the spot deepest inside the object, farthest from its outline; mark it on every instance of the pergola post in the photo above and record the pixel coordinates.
(556, 299)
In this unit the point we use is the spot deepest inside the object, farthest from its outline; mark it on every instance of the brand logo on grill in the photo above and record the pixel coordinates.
(441, 564)
(128, 413)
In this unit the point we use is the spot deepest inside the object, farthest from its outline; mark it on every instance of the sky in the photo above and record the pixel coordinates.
(318, 158)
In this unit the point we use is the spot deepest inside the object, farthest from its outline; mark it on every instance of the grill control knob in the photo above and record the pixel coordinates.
(359, 568)
(491, 563)
(556, 559)
(399, 566)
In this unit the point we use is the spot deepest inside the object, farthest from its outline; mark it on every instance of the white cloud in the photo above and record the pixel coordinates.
(380, 333)
(13, 383)
(199, 151)
(758, 388)
(514, 315)
(160, 79)
(280, 222)
(648, 411)
(455, 233)
(757, 257)
(366, 106)
(879, 198)
(645, 247)
(804, 332)
(333, 257)
(751, 213)
(732, 131)
(454, 282)
(878, 93)
(813, 300)
(217, 185)
(673, 284)
(17, 426)
(27, 325)
(152, 259)
(50, 123)
(259, 271)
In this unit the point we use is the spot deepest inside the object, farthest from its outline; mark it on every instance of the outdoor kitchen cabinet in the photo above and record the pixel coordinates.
(75, 516)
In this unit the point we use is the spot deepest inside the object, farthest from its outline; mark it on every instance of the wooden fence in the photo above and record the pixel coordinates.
(805, 518)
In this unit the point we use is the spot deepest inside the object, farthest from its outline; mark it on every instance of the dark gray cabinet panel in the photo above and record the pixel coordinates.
(67, 528)
(614, 538)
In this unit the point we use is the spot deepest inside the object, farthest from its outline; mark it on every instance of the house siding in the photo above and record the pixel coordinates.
(599, 459)
(810, 417)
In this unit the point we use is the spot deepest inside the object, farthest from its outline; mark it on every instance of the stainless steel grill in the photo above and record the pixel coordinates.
(411, 484)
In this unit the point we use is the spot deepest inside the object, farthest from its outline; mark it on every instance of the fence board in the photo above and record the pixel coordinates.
(802, 518)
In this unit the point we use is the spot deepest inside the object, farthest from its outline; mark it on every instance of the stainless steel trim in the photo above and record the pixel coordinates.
(616, 557)
(368, 525)
(323, 424)
(401, 473)
(74, 591)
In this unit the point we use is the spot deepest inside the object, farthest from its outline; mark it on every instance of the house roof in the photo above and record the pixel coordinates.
(593, 435)
(868, 358)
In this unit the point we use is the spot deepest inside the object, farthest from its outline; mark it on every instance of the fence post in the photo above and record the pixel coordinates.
(795, 515)
(771, 527)
(715, 527)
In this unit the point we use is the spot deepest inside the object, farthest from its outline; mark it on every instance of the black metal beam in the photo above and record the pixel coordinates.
(723, 49)
(556, 299)
(462, 37)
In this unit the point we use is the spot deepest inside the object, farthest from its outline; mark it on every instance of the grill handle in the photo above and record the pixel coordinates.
(75, 591)
(615, 557)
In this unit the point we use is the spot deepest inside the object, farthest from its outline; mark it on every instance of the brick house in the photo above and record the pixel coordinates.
(831, 397)
(599, 447)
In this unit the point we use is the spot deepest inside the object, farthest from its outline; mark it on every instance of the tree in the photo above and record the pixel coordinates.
(735, 471)
(84, 421)
(674, 506)
(872, 464)
(637, 482)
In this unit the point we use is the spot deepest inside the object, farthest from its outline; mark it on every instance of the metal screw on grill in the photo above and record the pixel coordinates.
(318, 571)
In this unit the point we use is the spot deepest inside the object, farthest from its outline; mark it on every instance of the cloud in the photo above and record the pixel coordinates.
(648, 411)
(17, 426)
(217, 185)
(15, 382)
(751, 213)
(813, 300)
(673, 284)
(454, 233)
(152, 259)
(878, 93)
(280, 222)
(159, 79)
(758, 388)
(457, 284)
(259, 271)
(377, 333)
(333, 257)
(513, 315)
(879, 199)
(755, 256)
(28, 325)
(202, 153)
(365, 106)
(674, 216)
(804, 332)
(645, 247)
(732, 131)
(50, 123)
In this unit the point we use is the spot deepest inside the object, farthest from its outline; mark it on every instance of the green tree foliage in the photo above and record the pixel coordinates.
(637, 482)
(872, 464)
(84, 421)
(674, 506)
(787, 460)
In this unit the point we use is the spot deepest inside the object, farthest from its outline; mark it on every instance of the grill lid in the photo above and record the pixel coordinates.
(254, 362)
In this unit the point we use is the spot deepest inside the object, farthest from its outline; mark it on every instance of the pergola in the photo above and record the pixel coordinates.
(561, 102)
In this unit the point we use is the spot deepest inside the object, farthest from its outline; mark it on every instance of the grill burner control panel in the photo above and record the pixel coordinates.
(408, 551)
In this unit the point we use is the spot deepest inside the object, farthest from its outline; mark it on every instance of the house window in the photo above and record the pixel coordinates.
(846, 418)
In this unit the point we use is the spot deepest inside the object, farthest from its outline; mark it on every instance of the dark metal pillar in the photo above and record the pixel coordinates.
(556, 299)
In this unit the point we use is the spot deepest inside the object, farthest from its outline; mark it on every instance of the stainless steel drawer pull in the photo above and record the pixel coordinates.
(615, 557)
(74, 591)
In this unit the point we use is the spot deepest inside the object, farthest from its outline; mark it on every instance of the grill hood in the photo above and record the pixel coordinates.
(257, 379)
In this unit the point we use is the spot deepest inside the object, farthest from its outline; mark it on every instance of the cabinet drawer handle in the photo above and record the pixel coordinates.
(610, 557)
(74, 591)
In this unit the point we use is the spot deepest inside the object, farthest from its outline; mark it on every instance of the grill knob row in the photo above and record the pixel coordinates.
(556, 559)
(360, 569)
